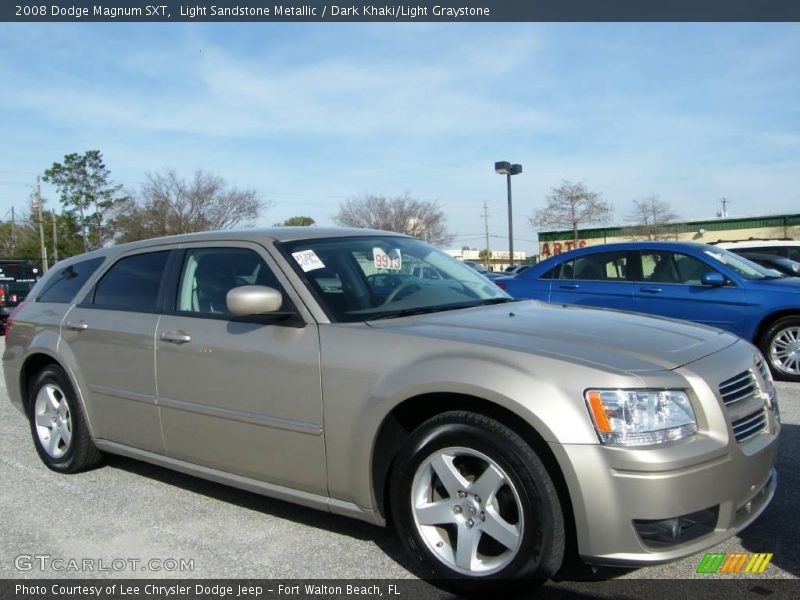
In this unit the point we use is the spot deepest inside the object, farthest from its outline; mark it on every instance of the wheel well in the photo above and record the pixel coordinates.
(767, 322)
(411, 413)
(33, 364)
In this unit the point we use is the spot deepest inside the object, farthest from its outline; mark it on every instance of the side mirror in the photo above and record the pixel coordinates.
(248, 300)
(713, 279)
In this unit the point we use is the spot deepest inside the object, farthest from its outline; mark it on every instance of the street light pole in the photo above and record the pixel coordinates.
(507, 169)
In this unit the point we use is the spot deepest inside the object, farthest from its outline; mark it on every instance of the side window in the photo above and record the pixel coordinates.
(607, 266)
(132, 283)
(567, 270)
(672, 267)
(793, 252)
(208, 275)
(62, 285)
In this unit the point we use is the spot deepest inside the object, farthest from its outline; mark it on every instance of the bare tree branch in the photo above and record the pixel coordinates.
(168, 204)
(571, 205)
(418, 218)
(651, 217)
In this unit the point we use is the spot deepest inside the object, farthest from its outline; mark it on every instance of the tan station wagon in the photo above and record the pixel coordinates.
(503, 439)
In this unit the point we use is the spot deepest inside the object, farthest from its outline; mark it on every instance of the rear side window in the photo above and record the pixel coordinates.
(66, 281)
(132, 283)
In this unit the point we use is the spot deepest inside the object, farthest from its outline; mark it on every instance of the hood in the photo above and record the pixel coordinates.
(611, 339)
(785, 284)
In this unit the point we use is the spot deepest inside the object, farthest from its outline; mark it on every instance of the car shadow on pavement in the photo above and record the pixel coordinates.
(778, 528)
(383, 537)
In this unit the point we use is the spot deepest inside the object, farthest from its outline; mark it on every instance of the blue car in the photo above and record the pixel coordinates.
(681, 280)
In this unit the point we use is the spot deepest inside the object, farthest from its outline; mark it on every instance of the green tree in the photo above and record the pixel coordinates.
(86, 192)
(300, 221)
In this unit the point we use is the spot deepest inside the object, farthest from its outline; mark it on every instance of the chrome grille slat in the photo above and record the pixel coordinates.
(744, 387)
(739, 388)
(749, 426)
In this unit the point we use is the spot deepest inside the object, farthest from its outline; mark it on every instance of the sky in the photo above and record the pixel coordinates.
(311, 114)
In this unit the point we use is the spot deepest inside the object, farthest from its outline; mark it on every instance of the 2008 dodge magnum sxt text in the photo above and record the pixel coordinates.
(311, 365)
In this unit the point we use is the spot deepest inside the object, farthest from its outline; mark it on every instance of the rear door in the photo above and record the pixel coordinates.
(111, 335)
(599, 279)
(242, 395)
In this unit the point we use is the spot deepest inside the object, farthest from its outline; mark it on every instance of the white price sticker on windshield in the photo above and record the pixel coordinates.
(391, 261)
(308, 260)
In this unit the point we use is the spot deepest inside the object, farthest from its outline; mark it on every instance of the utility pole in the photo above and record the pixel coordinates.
(13, 232)
(37, 204)
(55, 236)
(486, 227)
(724, 212)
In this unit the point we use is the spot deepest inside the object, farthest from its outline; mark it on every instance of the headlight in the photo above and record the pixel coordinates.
(772, 393)
(640, 417)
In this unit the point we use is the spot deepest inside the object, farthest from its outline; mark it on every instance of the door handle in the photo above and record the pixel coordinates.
(569, 286)
(651, 290)
(175, 337)
(79, 326)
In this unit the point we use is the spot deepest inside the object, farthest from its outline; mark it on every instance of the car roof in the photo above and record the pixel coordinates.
(617, 246)
(271, 234)
(758, 243)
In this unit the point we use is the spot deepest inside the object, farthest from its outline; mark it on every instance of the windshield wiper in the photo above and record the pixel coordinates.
(489, 301)
(408, 312)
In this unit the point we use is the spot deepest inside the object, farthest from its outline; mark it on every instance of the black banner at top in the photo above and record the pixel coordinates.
(401, 10)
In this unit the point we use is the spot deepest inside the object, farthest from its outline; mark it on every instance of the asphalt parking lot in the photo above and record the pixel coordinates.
(134, 511)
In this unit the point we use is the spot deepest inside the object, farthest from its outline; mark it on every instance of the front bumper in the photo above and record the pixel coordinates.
(623, 497)
(607, 507)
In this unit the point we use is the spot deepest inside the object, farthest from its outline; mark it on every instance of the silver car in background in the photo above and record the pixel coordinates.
(503, 439)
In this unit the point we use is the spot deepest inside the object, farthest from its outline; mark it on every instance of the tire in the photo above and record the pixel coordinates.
(510, 538)
(780, 345)
(58, 425)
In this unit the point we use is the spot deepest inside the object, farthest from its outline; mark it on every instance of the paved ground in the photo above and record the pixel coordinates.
(131, 510)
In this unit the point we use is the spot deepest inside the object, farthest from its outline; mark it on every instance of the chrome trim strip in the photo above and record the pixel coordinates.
(240, 416)
(123, 394)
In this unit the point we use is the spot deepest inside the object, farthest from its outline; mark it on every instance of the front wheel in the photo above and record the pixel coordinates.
(58, 425)
(473, 503)
(781, 347)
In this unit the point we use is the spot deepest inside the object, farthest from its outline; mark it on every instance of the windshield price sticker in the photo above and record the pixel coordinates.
(391, 261)
(308, 260)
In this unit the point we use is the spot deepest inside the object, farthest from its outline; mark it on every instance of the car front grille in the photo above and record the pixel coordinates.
(741, 388)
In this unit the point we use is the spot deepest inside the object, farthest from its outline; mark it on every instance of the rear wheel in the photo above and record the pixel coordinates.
(473, 504)
(781, 347)
(58, 426)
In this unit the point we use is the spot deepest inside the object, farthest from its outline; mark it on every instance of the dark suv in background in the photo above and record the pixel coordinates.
(17, 277)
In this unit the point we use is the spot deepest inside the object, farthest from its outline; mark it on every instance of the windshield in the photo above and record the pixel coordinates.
(743, 267)
(364, 278)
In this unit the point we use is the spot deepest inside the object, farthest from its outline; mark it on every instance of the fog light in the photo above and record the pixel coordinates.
(658, 533)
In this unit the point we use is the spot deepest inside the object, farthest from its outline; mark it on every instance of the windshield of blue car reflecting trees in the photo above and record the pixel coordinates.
(363, 278)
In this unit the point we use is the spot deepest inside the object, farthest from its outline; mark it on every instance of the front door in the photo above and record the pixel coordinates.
(236, 394)
(670, 286)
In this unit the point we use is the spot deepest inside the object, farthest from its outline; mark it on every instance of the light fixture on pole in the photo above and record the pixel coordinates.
(507, 169)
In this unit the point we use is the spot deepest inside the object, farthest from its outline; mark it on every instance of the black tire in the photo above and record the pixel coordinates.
(78, 453)
(533, 500)
(774, 335)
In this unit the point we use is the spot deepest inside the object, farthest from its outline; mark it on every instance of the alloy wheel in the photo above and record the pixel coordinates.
(467, 511)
